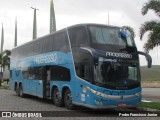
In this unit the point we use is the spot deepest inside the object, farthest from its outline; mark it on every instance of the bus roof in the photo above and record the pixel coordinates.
(73, 26)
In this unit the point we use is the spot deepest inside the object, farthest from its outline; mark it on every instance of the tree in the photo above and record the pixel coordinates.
(131, 30)
(5, 60)
(153, 26)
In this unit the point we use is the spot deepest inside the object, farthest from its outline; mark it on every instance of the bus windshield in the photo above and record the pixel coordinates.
(110, 35)
(116, 74)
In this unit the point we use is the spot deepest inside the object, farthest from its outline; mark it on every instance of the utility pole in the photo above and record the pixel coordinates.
(34, 24)
(108, 17)
(15, 39)
(52, 18)
(2, 41)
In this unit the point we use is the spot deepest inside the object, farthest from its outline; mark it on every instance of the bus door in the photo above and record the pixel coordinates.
(32, 81)
(39, 88)
(43, 84)
(40, 82)
(47, 82)
(32, 84)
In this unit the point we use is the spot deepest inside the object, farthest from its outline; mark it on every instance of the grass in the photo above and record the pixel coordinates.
(152, 105)
(150, 74)
(3, 87)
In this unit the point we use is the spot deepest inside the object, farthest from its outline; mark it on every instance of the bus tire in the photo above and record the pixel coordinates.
(57, 98)
(68, 100)
(17, 90)
(21, 94)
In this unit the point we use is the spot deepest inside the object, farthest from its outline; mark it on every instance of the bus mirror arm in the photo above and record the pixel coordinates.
(148, 58)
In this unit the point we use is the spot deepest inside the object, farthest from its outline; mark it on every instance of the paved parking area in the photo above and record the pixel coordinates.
(10, 102)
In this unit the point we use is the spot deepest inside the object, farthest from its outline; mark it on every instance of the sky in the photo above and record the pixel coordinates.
(70, 12)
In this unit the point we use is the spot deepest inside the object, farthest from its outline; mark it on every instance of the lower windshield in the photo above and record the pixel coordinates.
(117, 75)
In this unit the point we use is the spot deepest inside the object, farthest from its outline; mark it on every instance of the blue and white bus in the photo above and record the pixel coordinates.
(91, 65)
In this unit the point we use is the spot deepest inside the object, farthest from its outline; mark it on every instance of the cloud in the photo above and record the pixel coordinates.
(69, 12)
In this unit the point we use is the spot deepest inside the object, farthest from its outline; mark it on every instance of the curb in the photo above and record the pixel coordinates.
(4, 87)
(149, 109)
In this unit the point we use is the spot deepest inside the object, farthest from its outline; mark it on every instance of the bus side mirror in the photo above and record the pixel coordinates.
(148, 58)
(123, 35)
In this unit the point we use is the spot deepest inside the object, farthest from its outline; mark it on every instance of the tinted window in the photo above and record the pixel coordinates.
(40, 73)
(82, 65)
(111, 36)
(60, 42)
(47, 44)
(10, 73)
(37, 47)
(78, 36)
(27, 50)
(54, 42)
(37, 73)
(25, 74)
(60, 73)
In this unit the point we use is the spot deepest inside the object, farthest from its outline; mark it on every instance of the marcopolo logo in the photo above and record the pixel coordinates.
(122, 55)
(51, 58)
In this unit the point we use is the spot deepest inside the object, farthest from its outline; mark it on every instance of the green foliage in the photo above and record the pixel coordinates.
(152, 105)
(131, 30)
(150, 74)
(152, 26)
(153, 5)
(3, 87)
(5, 60)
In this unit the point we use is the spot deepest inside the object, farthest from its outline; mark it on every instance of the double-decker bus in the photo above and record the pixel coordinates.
(91, 65)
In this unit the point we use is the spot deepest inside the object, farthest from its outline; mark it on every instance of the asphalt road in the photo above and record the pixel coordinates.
(10, 102)
(151, 94)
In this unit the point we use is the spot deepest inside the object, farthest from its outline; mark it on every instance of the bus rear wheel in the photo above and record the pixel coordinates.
(21, 94)
(17, 90)
(57, 98)
(68, 100)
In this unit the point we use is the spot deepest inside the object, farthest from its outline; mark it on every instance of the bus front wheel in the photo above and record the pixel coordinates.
(68, 100)
(57, 98)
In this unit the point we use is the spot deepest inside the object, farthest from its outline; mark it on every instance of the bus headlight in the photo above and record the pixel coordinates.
(97, 93)
(138, 94)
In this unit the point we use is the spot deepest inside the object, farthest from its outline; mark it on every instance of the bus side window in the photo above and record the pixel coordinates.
(78, 36)
(25, 73)
(37, 47)
(10, 73)
(47, 44)
(41, 73)
(82, 71)
(59, 73)
(82, 65)
(60, 42)
(31, 73)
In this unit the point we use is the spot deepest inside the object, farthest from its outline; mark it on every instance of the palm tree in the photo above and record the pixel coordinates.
(131, 30)
(5, 61)
(152, 26)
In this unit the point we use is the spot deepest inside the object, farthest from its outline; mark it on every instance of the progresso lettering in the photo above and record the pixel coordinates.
(46, 59)
(122, 55)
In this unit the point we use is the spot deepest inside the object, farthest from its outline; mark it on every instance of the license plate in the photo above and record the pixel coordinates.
(121, 104)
